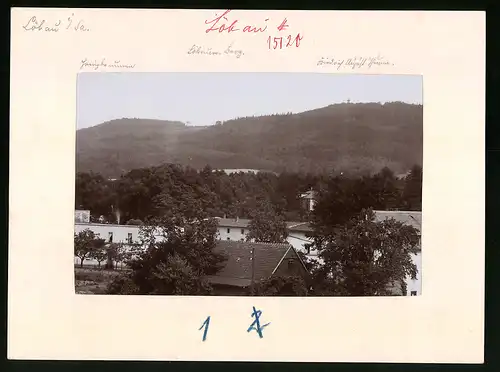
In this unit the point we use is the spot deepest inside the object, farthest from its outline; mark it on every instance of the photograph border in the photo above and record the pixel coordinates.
(418, 329)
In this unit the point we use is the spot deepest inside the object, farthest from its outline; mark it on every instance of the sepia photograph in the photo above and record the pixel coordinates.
(248, 184)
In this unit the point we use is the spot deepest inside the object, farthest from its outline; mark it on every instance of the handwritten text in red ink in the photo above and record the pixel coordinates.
(284, 42)
(223, 24)
(283, 25)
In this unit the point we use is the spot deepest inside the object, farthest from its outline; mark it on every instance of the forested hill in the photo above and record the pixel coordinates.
(353, 138)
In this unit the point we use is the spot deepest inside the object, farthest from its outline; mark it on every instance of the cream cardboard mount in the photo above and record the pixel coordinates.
(49, 47)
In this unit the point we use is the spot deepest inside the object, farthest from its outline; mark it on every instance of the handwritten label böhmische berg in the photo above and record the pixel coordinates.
(229, 51)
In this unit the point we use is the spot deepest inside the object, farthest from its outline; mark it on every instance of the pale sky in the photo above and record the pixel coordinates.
(204, 98)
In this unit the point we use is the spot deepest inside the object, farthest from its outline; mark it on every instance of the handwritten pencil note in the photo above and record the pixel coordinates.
(68, 24)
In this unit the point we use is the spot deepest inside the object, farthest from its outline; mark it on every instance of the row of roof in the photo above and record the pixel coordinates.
(412, 218)
(269, 256)
(238, 267)
(244, 222)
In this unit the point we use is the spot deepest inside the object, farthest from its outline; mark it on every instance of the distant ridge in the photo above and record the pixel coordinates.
(350, 137)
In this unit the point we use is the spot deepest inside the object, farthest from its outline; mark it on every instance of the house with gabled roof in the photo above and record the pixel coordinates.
(236, 229)
(250, 262)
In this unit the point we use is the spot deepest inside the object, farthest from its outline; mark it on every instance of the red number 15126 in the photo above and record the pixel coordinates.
(284, 42)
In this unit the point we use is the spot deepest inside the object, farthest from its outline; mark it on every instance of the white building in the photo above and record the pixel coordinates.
(308, 200)
(412, 218)
(128, 234)
(237, 229)
(111, 233)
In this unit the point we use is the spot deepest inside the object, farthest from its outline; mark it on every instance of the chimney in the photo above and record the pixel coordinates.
(117, 213)
(224, 215)
(237, 218)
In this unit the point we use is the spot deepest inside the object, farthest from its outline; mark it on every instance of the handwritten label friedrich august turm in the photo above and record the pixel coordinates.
(68, 24)
(354, 62)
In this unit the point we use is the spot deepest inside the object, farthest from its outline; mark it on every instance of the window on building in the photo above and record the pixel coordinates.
(413, 293)
(308, 249)
(129, 238)
(242, 231)
(110, 237)
(228, 231)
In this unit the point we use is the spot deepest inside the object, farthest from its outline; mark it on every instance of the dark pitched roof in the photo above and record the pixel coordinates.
(233, 222)
(238, 268)
(308, 195)
(412, 218)
(299, 226)
(243, 223)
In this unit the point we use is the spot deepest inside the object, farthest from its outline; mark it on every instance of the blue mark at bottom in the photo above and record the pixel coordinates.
(205, 324)
(255, 326)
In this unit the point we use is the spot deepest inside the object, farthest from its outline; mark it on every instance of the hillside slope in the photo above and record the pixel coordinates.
(354, 138)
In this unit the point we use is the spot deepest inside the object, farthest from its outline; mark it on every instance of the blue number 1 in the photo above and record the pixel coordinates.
(205, 324)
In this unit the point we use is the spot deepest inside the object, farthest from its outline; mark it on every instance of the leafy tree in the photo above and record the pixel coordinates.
(118, 253)
(85, 243)
(365, 257)
(309, 263)
(179, 255)
(177, 277)
(412, 193)
(338, 200)
(267, 226)
(172, 190)
(122, 285)
(94, 193)
(282, 286)
(99, 254)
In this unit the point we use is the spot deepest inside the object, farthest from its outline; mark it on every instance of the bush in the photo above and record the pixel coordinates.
(282, 286)
(122, 285)
(94, 275)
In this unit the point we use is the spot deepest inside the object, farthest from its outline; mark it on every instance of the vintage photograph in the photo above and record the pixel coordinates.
(248, 184)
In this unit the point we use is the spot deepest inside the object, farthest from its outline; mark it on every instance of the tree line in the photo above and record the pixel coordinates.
(153, 192)
(359, 256)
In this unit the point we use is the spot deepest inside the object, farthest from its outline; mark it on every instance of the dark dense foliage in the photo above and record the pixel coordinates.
(176, 203)
(177, 265)
(282, 286)
(363, 257)
(172, 190)
(266, 226)
(352, 138)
